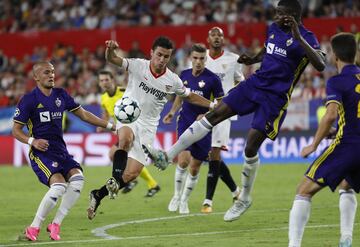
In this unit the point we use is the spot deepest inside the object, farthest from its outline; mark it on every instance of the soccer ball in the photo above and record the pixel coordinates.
(127, 110)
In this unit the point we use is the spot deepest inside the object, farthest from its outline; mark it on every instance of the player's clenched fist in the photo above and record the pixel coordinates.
(112, 44)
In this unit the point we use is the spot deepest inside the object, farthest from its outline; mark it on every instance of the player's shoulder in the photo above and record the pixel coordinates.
(138, 62)
(59, 91)
(231, 56)
(305, 32)
(185, 72)
(170, 75)
(29, 97)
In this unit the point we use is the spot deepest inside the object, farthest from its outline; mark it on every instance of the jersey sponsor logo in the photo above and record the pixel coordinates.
(58, 102)
(17, 112)
(56, 115)
(44, 116)
(272, 49)
(156, 92)
(201, 84)
(198, 92)
(40, 106)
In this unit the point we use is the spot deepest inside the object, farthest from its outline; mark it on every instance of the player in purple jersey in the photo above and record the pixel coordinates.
(41, 111)
(207, 84)
(339, 163)
(289, 47)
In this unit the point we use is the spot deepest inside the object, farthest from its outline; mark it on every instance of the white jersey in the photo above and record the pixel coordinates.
(226, 67)
(149, 90)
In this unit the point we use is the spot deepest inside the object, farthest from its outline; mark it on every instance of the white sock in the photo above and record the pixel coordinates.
(208, 202)
(180, 174)
(347, 206)
(190, 183)
(195, 132)
(248, 176)
(299, 216)
(72, 194)
(48, 202)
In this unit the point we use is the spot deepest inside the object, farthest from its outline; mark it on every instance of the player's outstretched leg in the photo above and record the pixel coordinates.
(159, 157)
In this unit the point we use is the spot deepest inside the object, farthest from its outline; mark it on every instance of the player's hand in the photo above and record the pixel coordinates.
(111, 44)
(306, 151)
(40, 144)
(290, 21)
(168, 118)
(245, 59)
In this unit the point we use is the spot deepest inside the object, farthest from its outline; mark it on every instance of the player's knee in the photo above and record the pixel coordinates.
(215, 153)
(194, 170)
(250, 151)
(76, 182)
(125, 143)
(57, 190)
(183, 164)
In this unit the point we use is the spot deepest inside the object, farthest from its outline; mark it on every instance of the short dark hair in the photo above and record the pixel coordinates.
(344, 47)
(293, 5)
(106, 72)
(198, 47)
(163, 42)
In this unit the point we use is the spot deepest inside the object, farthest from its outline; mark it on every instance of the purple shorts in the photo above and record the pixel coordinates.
(45, 165)
(337, 162)
(200, 149)
(269, 109)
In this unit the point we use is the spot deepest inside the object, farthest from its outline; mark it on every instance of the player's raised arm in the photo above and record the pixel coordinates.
(92, 119)
(316, 57)
(174, 109)
(110, 53)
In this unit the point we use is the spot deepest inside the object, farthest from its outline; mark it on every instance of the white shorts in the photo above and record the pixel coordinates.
(142, 135)
(220, 134)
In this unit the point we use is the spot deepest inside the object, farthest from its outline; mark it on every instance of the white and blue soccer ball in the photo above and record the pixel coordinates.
(127, 110)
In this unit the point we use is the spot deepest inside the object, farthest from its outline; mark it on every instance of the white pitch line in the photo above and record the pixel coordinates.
(162, 236)
(101, 231)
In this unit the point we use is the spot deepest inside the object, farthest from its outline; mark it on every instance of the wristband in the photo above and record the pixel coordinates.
(30, 140)
(212, 105)
(109, 126)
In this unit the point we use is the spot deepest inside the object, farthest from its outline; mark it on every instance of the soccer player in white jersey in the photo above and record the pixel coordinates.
(225, 65)
(150, 82)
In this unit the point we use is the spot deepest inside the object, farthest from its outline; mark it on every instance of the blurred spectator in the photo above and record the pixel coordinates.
(52, 15)
(135, 51)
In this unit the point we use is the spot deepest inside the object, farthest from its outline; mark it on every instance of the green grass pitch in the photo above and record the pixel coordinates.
(133, 220)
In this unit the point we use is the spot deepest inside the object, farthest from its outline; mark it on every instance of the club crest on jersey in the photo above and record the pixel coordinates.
(289, 42)
(168, 88)
(17, 112)
(201, 84)
(58, 102)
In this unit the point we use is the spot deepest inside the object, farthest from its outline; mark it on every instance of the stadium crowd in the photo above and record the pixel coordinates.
(17, 15)
(77, 72)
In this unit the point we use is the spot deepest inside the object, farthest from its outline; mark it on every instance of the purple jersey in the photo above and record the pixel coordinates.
(283, 61)
(207, 84)
(43, 116)
(344, 89)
